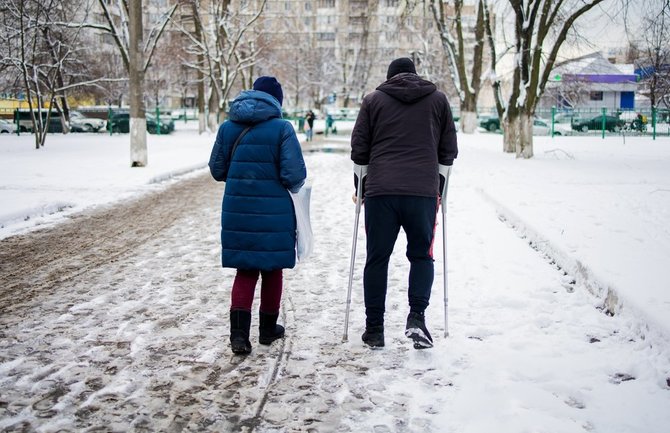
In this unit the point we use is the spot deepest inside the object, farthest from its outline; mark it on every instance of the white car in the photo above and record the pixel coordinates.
(81, 123)
(7, 127)
(543, 127)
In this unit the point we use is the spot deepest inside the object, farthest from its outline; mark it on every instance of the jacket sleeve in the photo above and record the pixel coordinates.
(447, 149)
(361, 136)
(292, 171)
(219, 159)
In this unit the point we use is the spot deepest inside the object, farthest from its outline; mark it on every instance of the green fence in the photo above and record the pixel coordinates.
(599, 121)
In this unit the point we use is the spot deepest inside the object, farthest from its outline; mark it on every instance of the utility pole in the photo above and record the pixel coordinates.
(138, 120)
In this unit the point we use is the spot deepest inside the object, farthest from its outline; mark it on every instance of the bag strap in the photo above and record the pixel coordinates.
(237, 141)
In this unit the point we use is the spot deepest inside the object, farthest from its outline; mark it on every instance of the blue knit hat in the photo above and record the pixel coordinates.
(271, 86)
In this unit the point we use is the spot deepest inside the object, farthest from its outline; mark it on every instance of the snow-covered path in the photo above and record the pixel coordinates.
(140, 343)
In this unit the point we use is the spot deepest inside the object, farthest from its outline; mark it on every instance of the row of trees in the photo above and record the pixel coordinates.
(48, 52)
(539, 29)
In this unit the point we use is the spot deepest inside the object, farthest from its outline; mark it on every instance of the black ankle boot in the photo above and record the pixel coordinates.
(374, 336)
(240, 323)
(268, 329)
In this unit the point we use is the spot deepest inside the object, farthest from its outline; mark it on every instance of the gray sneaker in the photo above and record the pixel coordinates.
(416, 330)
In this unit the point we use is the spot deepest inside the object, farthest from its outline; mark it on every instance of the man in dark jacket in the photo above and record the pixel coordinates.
(404, 131)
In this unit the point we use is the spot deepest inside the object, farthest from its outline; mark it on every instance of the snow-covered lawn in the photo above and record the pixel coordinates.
(75, 171)
(535, 247)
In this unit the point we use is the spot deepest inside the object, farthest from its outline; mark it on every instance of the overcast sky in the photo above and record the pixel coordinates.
(605, 26)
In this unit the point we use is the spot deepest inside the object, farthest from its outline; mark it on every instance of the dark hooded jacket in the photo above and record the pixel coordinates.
(403, 130)
(258, 225)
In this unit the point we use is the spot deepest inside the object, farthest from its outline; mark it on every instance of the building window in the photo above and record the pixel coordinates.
(327, 3)
(325, 36)
(596, 96)
(308, 6)
(391, 36)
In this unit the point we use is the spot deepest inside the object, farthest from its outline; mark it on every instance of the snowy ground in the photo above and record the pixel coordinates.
(140, 343)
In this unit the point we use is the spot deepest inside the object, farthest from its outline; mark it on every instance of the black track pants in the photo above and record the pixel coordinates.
(384, 216)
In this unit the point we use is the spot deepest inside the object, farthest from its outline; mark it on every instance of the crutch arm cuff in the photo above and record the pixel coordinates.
(360, 172)
(445, 171)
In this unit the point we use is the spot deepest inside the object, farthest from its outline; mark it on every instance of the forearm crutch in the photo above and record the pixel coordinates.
(360, 171)
(445, 171)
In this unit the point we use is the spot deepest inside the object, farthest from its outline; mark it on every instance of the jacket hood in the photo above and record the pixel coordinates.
(254, 106)
(407, 87)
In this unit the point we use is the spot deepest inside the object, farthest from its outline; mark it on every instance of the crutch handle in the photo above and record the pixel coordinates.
(360, 171)
(445, 172)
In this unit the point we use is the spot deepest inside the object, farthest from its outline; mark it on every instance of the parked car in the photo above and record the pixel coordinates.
(612, 124)
(540, 126)
(81, 123)
(543, 127)
(7, 127)
(25, 118)
(183, 114)
(490, 123)
(120, 122)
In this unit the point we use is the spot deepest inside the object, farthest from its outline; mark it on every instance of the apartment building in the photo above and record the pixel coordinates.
(325, 52)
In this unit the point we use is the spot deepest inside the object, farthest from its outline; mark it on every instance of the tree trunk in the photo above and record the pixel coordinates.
(138, 120)
(468, 121)
(469, 113)
(213, 104)
(519, 135)
(202, 121)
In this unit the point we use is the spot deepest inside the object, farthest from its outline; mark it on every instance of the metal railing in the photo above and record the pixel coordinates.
(653, 122)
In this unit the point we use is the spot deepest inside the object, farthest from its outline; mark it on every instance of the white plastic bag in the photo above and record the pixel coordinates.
(304, 239)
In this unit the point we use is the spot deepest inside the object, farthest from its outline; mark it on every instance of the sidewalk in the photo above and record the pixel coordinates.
(140, 342)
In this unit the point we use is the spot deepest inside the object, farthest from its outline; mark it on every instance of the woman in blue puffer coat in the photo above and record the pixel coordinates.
(258, 227)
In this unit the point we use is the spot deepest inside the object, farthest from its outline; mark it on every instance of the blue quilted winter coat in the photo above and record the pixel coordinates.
(257, 218)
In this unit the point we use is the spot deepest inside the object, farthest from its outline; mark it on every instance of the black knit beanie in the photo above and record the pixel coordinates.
(398, 66)
(271, 86)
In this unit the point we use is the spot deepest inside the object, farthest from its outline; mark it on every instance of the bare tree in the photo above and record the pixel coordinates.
(570, 92)
(359, 53)
(466, 69)
(540, 29)
(653, 52)
(218, 40)
(125, 25)
(430, 64)
(42, 55)
(290, 56)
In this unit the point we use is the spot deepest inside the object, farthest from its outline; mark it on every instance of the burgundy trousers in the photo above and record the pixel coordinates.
(244, 287)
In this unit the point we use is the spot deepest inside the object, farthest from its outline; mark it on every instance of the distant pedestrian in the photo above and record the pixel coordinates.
(329, 124)
(258, 227)
(309, 128)
(404, 131)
